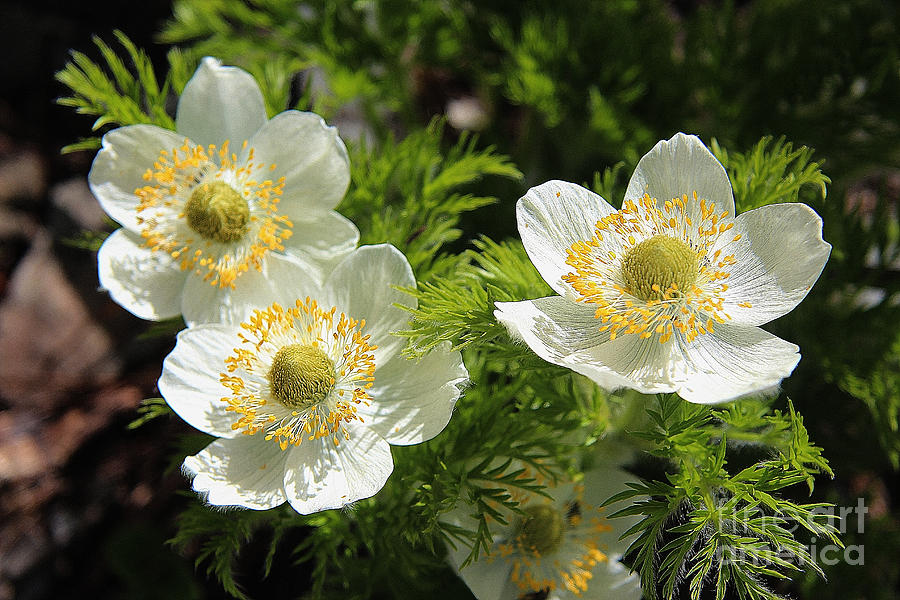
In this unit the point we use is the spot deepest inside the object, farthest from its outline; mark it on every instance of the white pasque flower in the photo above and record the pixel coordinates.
(306, 399)
(214, 212)
(666, 294)
(563, 545)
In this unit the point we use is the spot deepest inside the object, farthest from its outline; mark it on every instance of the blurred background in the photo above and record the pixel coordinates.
(83, 500)
(567, 89)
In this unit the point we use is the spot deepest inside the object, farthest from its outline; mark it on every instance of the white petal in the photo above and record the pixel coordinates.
(362, 286)
(282, 280)
(311, 158)
(599, 485)
(413, 399)
(119, 167)
(247, 471)
(190, 378)
(611, 580)
(322, 242)
(220, 103)
(321, 476)
(488, 578)
(779, 257)
(733, 361)
(567, 334)
(682, 165)
(148, 284)
(553, 216)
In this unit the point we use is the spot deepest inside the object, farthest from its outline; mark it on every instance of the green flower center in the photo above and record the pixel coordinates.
(541, 528)
(301, 376)
(217, 212)
(658, 265)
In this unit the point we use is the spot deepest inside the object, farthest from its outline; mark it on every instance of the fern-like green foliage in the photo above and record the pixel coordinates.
(411, 193)
(707, 527)
(223, 535)
(459, 307)
(860, 351)
(771, 172)
(150, 409)
(543, 71)
(348, 59)
(86, 239)
(879, 389)
(121, 91)
(811, 91)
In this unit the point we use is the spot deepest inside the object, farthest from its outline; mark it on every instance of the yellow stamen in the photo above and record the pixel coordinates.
(668, 281)
(209, 213)
(299, 373)
(536, 556)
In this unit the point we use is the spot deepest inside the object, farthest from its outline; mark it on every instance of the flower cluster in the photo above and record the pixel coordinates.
(288, 358)
(290, 361)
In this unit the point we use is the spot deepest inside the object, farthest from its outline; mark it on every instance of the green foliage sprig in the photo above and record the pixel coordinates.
(772, 171)
(409, 193)
(706, 527)
(121, 91)
(459, 307)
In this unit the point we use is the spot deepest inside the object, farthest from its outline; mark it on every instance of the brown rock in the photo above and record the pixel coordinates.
(21, 457)
(24, 543)
(14, 223)
(48, 342)
(22, 175)
(75, 199)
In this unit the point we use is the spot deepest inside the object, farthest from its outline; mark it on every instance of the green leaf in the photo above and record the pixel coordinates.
(120, 90)
(150, 409)
(771, 172)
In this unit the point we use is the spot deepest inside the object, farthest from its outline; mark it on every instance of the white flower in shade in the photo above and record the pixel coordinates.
(214, 212)
(563, 546)
(306, 399)
(666, 294)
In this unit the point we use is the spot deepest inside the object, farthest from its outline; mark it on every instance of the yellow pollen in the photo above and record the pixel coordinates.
(301, 376)
(556, 548)
(670, 283)
(306, 386)
(229, 209)
(217, 212)
(657, 264)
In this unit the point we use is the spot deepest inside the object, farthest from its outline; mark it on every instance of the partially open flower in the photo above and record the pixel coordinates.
(665, 295)
(563, 546)
(213, 212)
(307, 398)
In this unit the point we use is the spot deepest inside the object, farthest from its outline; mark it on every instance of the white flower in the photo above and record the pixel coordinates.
(562, 545)
(666, 294)
(306, 399)
(214, 212)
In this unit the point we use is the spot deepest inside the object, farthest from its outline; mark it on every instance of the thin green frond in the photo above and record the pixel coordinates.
(123, 89)
(150, 409)
(771, 172)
